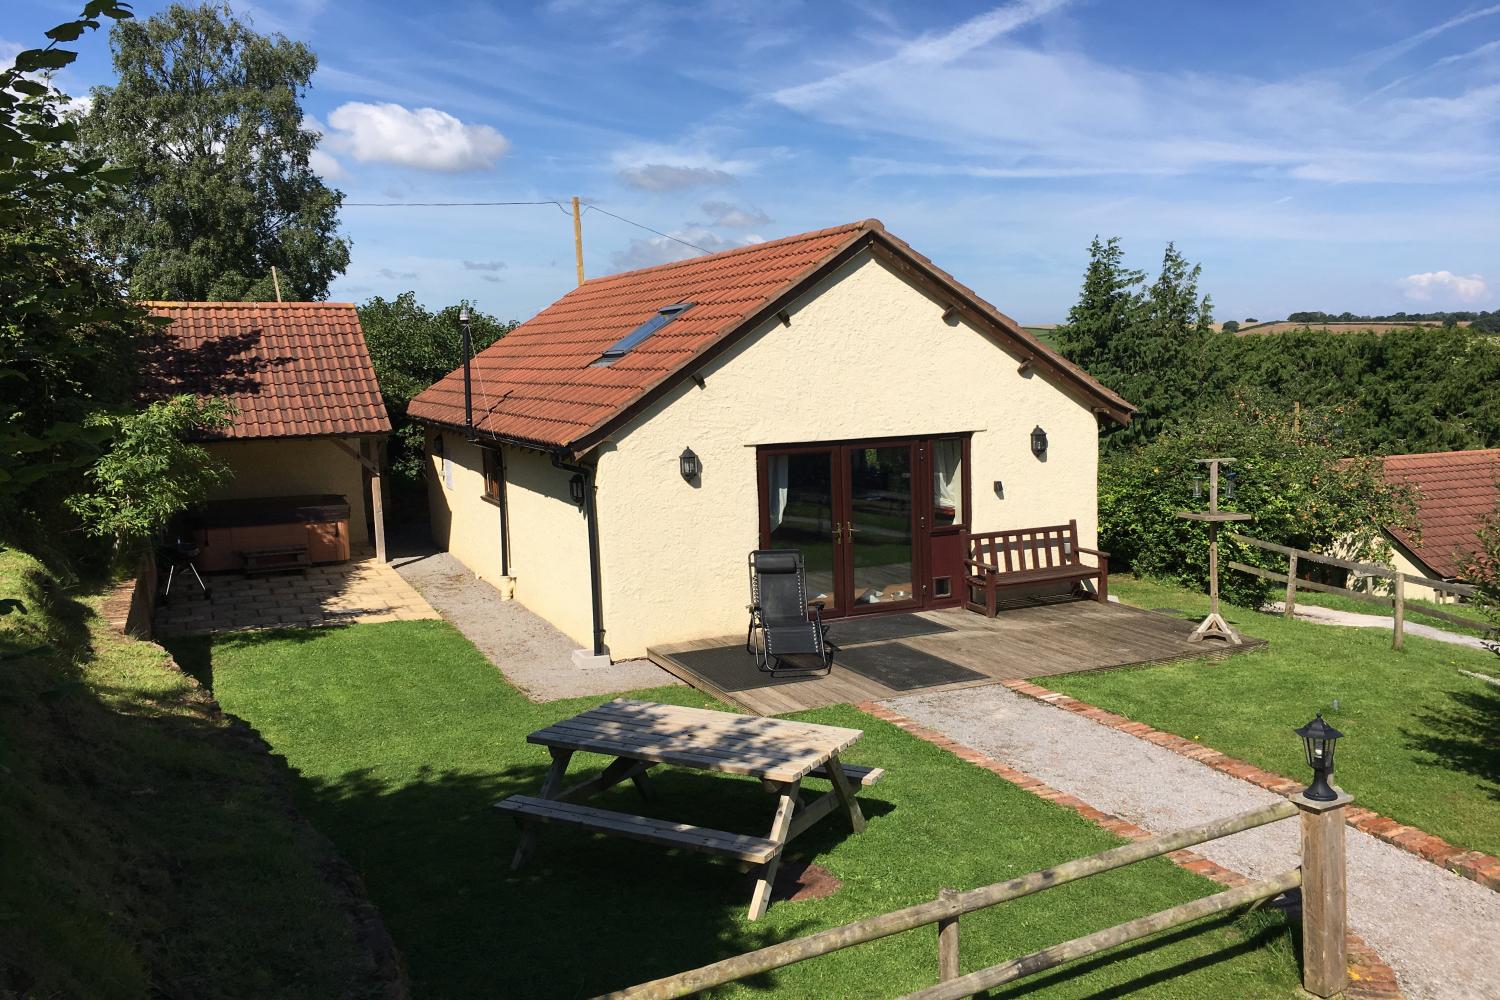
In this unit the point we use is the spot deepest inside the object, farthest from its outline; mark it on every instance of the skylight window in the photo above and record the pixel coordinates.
(633, 339)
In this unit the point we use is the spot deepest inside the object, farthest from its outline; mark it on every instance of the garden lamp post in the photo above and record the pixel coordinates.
(1214, 625)
(1318, 739)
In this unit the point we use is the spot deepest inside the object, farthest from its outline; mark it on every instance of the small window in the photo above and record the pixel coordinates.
(633, 339)
(947, 482)
(942, 586)
(494, 474)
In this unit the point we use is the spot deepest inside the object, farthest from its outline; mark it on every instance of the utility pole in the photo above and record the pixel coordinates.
(578, 238)
(275, 280)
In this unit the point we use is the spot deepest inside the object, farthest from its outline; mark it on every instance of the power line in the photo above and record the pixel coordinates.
(494, 204)
(665, 236)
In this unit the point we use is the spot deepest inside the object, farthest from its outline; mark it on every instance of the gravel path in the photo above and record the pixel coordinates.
(531, 653)
(1355, 619)
(1439, 932)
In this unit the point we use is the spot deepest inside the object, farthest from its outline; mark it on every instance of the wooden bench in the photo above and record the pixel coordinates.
(1026, 557)
(862, 777)
(276, 560)
(755, 850)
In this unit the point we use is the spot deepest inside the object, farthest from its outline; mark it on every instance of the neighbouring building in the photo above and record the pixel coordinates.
(306, 441)
(833, 392)
(1455, 492)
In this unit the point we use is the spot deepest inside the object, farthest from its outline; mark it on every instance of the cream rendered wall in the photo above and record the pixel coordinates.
(549, 556)
(867, 355)
(277, 467)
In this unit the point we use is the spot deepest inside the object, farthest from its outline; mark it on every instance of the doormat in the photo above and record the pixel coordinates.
(852, 631)
(730, 668)
(902, 668)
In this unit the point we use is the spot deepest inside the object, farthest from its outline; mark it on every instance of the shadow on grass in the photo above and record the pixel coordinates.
(1461, 735)
(589, 914)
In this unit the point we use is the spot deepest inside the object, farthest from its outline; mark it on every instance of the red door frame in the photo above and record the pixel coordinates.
(923, 531)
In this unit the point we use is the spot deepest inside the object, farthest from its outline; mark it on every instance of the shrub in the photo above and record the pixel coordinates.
(152, 472)
(1231, 326)
(1292, 480)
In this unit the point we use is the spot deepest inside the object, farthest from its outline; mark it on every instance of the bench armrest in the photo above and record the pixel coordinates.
(1096, 552)
(987, 567)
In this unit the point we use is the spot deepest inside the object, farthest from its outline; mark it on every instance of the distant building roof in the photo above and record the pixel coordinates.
(1455, 493)
(291, 369)
(548, 382)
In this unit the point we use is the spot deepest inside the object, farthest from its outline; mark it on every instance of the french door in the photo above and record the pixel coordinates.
(859, 516)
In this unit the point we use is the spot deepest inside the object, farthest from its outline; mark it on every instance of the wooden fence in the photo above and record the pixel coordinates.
(1397, 600)
(1321, 877)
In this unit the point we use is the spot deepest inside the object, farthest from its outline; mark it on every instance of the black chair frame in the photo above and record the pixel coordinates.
(782, 618)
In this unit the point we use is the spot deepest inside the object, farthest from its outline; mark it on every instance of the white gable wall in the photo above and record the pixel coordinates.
(867, 355)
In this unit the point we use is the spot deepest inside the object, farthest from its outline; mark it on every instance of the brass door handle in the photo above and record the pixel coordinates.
(849, 529)
(838, 533)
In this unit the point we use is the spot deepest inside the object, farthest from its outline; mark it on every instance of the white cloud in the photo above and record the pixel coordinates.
(723, 213)
(1445, 286)
(650, 251)
(665, 177)
(424, 138)
(1066, 114)
(484, 265)
(326, 166)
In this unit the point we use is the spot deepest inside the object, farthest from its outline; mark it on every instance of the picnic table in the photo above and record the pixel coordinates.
(641, 735)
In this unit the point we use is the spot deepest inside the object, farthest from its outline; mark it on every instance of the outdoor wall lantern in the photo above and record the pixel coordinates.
(1318, 738)
(688, 464)
(1038, 442)
(575, 489)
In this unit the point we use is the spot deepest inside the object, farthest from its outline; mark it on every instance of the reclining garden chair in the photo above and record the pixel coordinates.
(779, 611)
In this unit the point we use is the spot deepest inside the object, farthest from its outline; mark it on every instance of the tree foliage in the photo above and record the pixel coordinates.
(209, 115)
(1149, 344)
(152, 471)
(1292, 478)
(411, 348)
(1482, 568)
(67, 334)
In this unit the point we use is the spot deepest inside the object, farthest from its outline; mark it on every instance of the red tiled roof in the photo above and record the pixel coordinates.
(292, 369)
(538, 384)
(1455, 493)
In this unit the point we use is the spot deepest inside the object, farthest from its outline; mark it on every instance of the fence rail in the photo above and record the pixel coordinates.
(1323, 926)
(1396, 602)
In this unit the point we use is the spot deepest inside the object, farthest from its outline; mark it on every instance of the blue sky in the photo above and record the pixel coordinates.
(1311, 156)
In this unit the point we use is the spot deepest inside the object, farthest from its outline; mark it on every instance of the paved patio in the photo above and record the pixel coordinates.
(942, 651)
(359, 591)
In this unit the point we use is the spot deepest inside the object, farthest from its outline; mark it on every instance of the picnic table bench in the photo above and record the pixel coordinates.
(1025, 557)
(641, 735)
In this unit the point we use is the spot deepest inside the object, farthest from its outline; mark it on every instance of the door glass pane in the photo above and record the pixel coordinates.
(880, 518)
(947, 482)
(800, 504)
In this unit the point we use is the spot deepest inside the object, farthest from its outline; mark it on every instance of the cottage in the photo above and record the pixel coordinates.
(1455, 492)
(305, 443)
(619, 455)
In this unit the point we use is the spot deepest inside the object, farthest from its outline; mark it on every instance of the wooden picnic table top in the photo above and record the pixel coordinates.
(773, 749)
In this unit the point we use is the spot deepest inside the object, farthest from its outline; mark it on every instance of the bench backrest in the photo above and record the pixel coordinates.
(1027, 548)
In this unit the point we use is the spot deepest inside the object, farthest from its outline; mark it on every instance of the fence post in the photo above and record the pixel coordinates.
(1291, 585)
(1325, 963)
(947, 931)
(1398, 627)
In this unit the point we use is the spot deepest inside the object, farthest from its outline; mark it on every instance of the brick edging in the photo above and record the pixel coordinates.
(1473, 865)
(1370, 978)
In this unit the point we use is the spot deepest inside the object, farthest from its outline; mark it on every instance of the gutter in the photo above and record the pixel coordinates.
(591, 518)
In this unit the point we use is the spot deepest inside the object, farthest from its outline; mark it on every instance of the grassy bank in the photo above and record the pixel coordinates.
(1421, 735)
(403, 736)
(147, 847)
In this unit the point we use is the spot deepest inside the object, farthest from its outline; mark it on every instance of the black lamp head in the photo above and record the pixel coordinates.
(1038, 441)
(687, 464)
(576, 487)
(1318, 741)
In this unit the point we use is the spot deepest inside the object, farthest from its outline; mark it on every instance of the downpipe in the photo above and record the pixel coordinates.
(591, 519)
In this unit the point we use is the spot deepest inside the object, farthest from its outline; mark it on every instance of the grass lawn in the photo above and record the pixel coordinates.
(146, 849)
(402, 736)
(1421, 744)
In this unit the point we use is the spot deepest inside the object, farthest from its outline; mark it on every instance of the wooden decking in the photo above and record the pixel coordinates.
(1023, 642)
